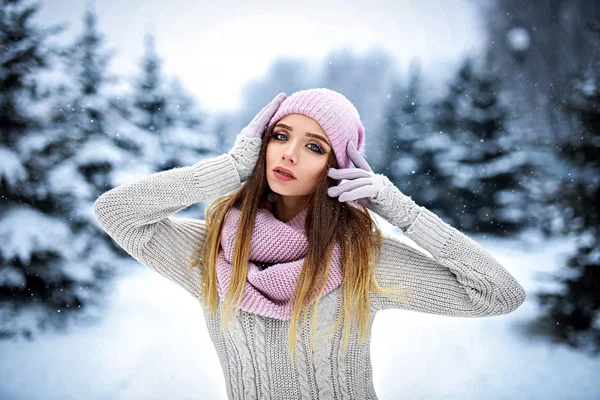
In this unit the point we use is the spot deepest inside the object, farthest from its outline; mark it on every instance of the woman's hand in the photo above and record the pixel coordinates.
(256, 127)
(364, 184)
(374, 191)
(248, 141)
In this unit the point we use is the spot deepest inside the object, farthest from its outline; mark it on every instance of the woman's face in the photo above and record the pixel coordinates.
(300, 145)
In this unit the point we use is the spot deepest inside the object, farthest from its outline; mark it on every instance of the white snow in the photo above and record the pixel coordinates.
(11, 168)
(65, 179)
(25, 230)
(151, 343)
(518, 39)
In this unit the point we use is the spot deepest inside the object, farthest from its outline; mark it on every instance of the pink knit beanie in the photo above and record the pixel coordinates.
(336, 115)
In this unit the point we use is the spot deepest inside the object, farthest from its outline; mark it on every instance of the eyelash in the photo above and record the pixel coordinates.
(274, 136)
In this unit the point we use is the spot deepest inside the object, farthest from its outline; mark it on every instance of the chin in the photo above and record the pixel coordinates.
(280, 189)
(276, 188)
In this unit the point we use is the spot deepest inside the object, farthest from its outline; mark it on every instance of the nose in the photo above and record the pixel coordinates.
(291, 153)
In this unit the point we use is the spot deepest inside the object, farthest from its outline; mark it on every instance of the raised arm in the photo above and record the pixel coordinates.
(462, 279)
(137, 216)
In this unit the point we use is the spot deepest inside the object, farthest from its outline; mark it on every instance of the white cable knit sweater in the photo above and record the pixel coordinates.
(462, 280)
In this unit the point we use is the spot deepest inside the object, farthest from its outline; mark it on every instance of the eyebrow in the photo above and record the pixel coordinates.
(289, 128)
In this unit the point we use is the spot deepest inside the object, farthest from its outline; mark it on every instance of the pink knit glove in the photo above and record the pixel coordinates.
(374, 191)
(248, 141)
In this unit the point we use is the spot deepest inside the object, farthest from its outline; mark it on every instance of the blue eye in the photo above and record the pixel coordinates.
(275, 134)
(319, 149)
(316, 149)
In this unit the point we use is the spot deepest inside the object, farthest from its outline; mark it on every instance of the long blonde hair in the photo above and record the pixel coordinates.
(327, 219)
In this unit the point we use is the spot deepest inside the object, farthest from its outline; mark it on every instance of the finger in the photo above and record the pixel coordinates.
(347, 186)
(356, 194)
(347, 173)
(257, 116)
(357, 158)
(270, 109)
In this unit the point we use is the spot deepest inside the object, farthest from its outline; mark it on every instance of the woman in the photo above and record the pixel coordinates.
(285, 241)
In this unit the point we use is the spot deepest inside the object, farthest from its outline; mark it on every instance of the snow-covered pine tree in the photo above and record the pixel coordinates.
(182, 106)
(40, 281)
(572, 315)
(84, 109)
(149, 96)
(413, 149)
(486, 163)
(145, 107)
(77, 157)
(190, 137)
(394, 160)
(83, 116)
(167, 115)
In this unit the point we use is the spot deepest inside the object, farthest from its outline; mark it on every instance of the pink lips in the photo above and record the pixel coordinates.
(282, 177)
(287, 171)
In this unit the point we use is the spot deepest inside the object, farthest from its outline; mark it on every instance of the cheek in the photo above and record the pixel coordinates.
(269, 154)
(317, 168)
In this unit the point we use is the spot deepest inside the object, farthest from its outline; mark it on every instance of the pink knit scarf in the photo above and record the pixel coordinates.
(268, 291)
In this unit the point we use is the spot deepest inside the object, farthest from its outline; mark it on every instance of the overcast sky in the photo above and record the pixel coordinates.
(215, 47)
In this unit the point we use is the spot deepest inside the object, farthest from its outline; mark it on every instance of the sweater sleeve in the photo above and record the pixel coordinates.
(137, 215)
(462, 279)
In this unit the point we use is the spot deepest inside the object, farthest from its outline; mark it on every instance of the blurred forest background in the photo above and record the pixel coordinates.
(509, 148)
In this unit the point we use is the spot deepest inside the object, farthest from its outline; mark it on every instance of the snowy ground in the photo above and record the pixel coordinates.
(153, 344)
